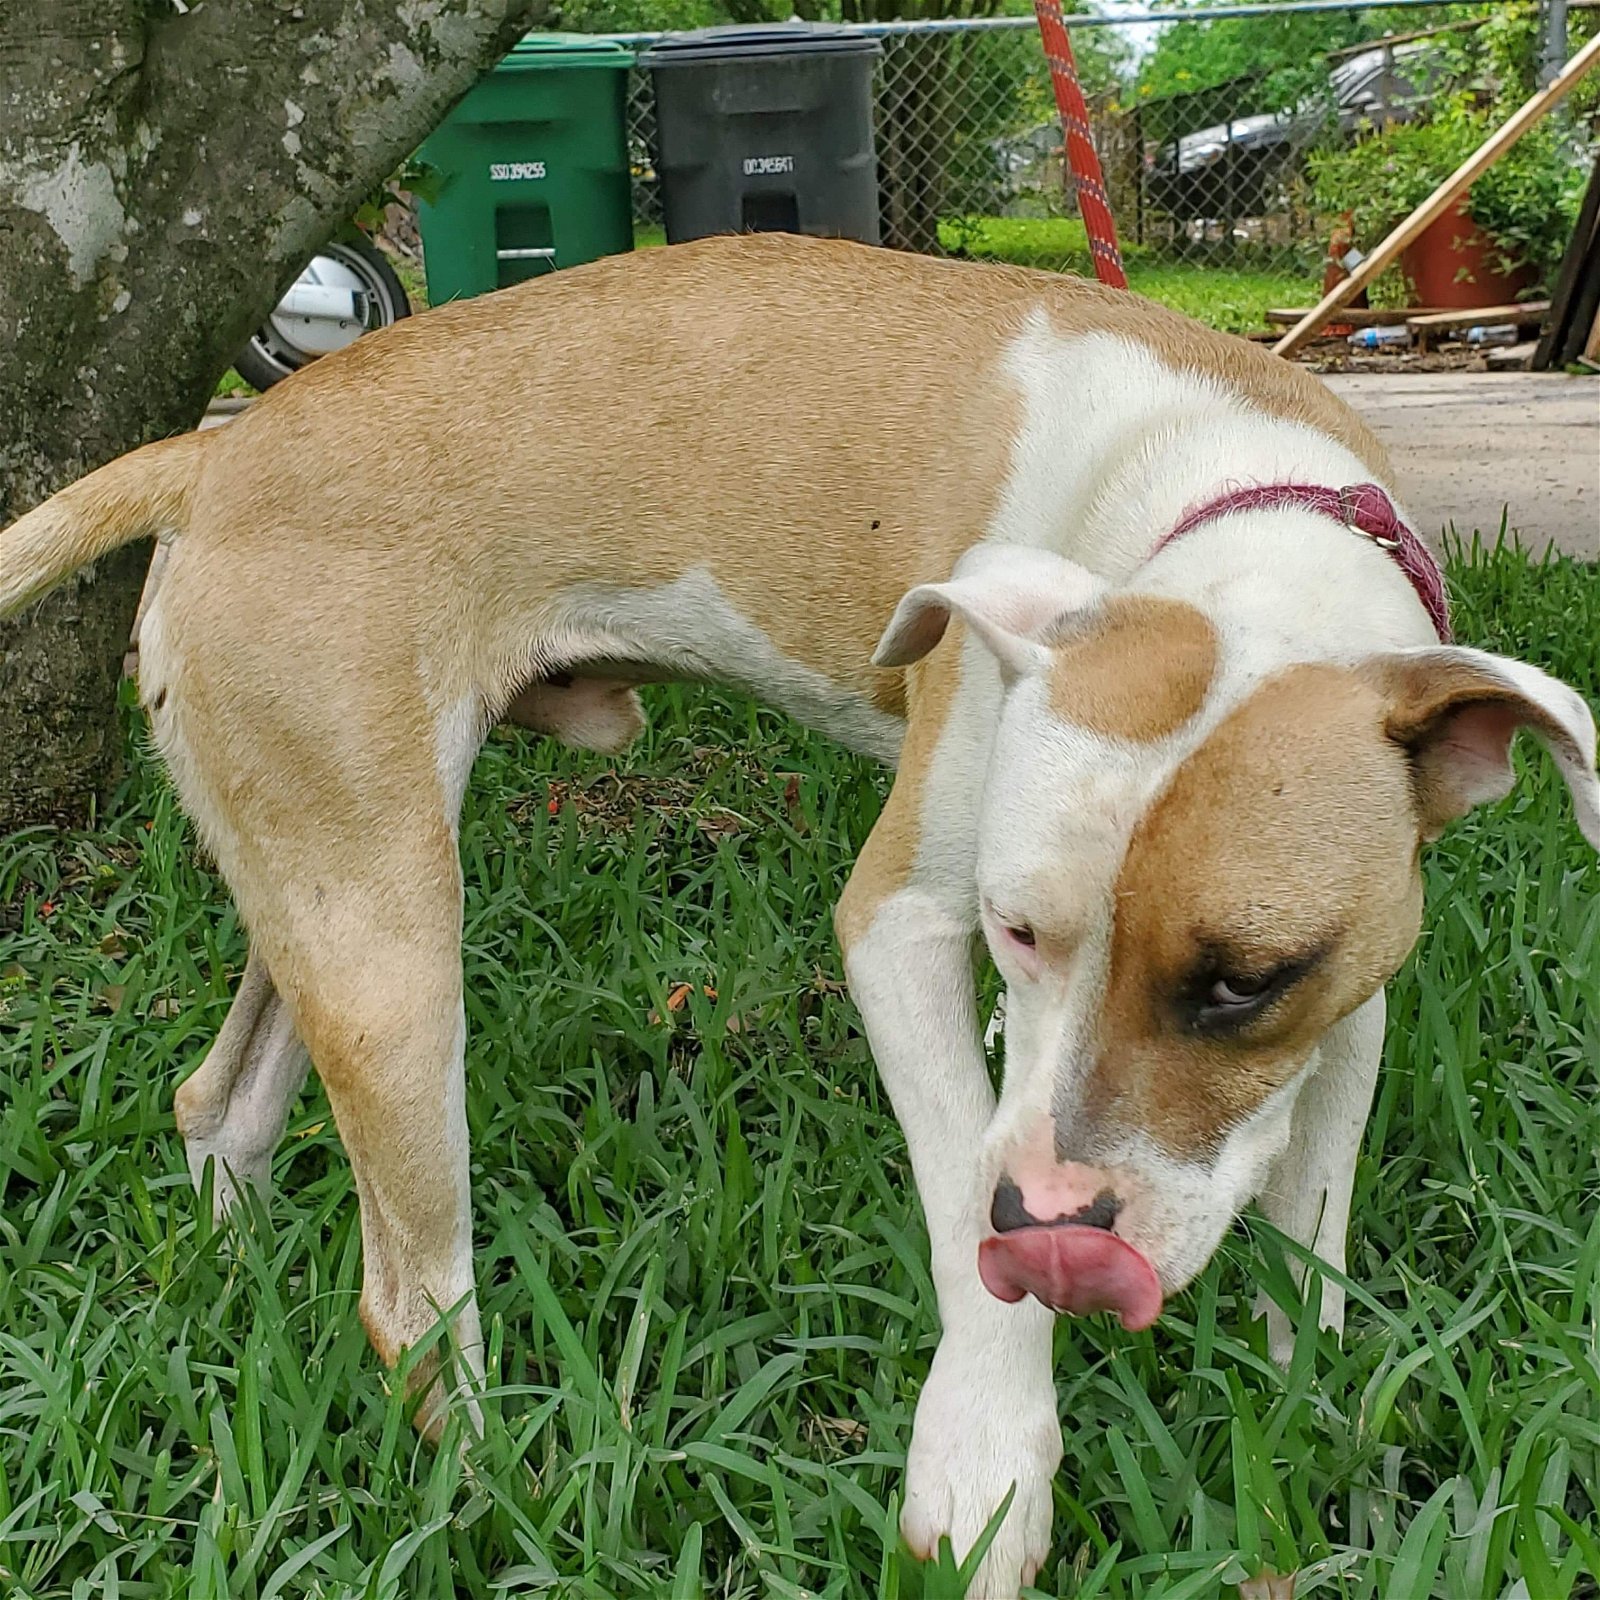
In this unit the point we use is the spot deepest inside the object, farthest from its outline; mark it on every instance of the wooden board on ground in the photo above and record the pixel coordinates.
(1357, 316)
(1432, 323)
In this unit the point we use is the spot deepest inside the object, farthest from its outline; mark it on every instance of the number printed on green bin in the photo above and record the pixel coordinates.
(510, 171)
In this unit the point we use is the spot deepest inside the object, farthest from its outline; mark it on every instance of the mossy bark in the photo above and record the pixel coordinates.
(164, 174)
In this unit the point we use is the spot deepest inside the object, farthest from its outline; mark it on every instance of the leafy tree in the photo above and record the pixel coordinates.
(1289, 52)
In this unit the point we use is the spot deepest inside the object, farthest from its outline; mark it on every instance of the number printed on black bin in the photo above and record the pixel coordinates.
(767, 166)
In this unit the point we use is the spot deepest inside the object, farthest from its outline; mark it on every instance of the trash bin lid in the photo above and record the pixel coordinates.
(544, 51)
(741, 41)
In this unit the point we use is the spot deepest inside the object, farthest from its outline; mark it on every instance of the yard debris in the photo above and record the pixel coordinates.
(1268, 1585)
(720, 825)
(1334, 355)
(832, 1437)
(1443, 198)
(1429, 325)
(791, 802)
(678, 998)
(1355, 316)
(611, 802)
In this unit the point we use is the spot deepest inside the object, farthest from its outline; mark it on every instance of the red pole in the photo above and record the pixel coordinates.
(1093, 204)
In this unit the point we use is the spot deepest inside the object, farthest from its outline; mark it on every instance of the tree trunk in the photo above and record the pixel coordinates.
(166, 169)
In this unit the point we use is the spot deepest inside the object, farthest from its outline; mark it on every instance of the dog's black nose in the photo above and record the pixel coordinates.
(1101, 1212)
(1008, 1212)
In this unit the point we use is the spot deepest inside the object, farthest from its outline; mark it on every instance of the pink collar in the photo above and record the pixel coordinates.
(1364, 508)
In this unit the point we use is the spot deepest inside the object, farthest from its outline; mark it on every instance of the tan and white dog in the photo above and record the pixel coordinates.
(1180, 786)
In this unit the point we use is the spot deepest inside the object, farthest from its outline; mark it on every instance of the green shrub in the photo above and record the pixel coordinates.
(1526, 204)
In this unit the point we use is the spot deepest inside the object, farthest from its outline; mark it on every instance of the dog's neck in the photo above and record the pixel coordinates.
(1364, 509)
(1288, 573)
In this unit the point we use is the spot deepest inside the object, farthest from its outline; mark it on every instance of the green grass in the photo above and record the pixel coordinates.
(702, 1268)
(1234, 299)
(231, 386)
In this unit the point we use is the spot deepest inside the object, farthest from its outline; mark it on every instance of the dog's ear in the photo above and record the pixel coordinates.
(1006, 593)
(1455, 712)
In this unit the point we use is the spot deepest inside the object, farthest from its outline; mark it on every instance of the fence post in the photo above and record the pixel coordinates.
(1554, 13)
(1138, 174)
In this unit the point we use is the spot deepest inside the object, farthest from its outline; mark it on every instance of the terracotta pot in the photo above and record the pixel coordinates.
(1453, 265)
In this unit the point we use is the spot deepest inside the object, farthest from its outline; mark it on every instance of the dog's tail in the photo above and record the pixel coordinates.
(143, 492)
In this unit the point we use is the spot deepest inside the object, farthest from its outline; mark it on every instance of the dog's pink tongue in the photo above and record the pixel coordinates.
(1074, 1269)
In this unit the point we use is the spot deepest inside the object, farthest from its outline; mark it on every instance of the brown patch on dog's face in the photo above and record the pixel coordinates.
(1281, 858)
(1139, 671)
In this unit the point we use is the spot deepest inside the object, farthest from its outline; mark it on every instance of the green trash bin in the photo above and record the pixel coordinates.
(533, 168)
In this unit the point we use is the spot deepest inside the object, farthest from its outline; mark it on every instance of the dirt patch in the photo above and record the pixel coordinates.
(1334, 355)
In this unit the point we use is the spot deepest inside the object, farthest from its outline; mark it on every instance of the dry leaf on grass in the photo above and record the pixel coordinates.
(1268, 1585)
(678, 997)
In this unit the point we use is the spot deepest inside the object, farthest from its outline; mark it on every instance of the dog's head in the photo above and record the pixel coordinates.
(1193, 861)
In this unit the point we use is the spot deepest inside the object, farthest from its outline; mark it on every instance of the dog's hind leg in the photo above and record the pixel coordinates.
(233, 1107)
(362, 935)
(325, 770)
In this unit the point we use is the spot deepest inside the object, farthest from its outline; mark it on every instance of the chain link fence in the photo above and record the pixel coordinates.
(970, 157)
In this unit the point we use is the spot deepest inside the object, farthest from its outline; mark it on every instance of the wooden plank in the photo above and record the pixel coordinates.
(1444, 321)
(1432, 323)
(1445, 196)
(1580, 248)
(1358, 316)
(1583, 309)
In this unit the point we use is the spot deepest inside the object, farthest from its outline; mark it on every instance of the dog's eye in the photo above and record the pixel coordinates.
(1226, 995)
(1227, 1004)
(1224, 1003)
(1239, 993)
(1011, 934)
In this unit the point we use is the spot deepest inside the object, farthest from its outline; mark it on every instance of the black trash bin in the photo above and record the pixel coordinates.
(766, 129)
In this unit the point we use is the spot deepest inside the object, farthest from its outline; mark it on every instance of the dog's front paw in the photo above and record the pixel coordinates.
(979, 1431)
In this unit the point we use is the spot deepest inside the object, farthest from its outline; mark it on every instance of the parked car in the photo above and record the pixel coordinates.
(1234, 167)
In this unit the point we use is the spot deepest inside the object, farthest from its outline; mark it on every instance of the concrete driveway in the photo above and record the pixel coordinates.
(1467, 444)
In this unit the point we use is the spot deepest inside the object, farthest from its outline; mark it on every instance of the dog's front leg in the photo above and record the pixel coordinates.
(1307, 1194)
(986, 1422)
